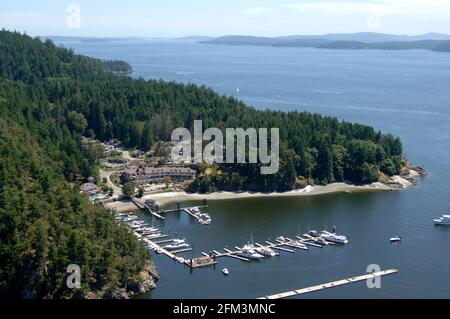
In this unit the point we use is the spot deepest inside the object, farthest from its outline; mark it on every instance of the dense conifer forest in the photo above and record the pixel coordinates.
(51, 97)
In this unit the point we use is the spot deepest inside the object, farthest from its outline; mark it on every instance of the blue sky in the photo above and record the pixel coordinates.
(169, 18)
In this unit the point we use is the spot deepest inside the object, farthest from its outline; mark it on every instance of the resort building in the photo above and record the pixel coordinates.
(141, 175)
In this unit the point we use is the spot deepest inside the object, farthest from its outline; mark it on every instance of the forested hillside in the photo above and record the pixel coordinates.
(50, 98)
(45, 225)
(314, 148)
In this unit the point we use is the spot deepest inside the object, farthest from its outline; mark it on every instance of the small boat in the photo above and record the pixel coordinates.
(321, 241)
(152, 235)
(444, 220)
(313, 233)
(266, 251)
(333, 237)
(147, 230)
(298, 244)
(250, 253)
(205, 221)
(395, 239)
(176, 246)
(282, 239)
(225, 271)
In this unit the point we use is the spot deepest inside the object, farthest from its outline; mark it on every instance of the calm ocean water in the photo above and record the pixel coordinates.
(405, 93)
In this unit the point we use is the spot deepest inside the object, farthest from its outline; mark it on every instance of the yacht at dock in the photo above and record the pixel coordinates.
(266, 251)
(250, 253)
(333, 237)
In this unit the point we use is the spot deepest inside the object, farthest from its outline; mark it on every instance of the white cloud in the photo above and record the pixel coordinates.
(257, 11)
(382, 7)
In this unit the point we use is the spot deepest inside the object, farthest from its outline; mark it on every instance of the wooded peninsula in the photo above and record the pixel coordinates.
(51, 98)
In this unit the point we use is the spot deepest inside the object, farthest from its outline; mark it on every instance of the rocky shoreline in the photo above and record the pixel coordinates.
(146, 281)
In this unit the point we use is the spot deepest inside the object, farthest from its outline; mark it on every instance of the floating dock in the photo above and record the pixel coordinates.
(175, 210)
(200, 262)
(330, 284)
(145, 207)
(211, 258)
(160, 213)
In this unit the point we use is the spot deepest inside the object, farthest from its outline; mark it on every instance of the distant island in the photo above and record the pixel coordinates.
(118, 67)
(353, 41)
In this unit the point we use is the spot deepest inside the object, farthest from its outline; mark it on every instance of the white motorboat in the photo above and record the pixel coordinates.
(321, 241)
(250, 253)
(178, 241)
(176, 246)
(147, 230)
(266, 251)
(297, 244)
(444, 220)
(151, 235)
(138, 226)
(282, 239)
(205, 221)
(225, 271)
(313, 233)
(334, 238)
(395, 239)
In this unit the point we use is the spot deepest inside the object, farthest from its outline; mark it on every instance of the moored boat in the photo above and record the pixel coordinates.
(176, 246)
(298, 244)
(313, 233)
(444, 220)
(266, 251)
(334, 238)
(250, 253)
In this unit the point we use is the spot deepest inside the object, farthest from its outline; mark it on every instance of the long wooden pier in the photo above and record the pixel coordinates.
(330, 284)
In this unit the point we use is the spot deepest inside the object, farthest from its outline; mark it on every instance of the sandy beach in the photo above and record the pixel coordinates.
(165, 198)
(170, 197)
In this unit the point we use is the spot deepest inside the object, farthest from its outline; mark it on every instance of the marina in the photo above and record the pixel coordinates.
(252, 251)
(174, 249)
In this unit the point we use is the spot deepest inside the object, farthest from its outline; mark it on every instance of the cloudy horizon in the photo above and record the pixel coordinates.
(204, 18)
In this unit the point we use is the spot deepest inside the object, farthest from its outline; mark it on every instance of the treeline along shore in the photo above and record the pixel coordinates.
(50, 98)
